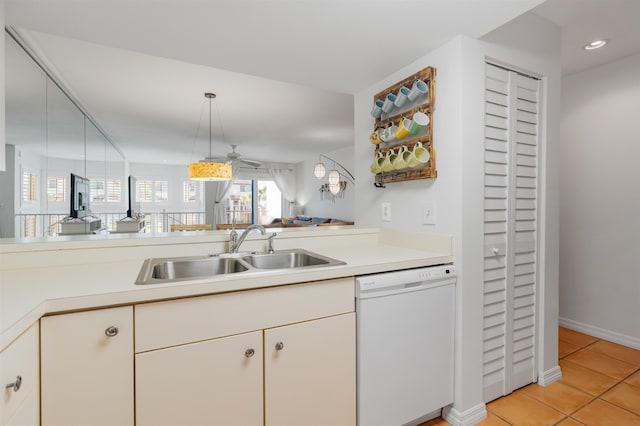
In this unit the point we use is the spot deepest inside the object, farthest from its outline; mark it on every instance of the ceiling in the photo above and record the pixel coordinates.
(284, 70)
(583, 21)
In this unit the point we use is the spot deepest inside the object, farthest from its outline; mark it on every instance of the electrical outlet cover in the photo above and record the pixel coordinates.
(429, 213)
(386, 212)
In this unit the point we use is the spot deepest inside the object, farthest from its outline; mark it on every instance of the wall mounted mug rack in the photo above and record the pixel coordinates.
(419, 89)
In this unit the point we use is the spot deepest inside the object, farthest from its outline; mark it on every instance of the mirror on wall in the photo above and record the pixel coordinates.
(48, 139)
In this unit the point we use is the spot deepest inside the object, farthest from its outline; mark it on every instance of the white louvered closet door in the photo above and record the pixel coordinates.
(510, 222)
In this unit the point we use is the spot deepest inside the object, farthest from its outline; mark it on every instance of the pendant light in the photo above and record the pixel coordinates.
(319, 170)
(208, 169)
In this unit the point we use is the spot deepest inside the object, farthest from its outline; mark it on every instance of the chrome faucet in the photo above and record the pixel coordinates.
(271, 237)
(235, 242)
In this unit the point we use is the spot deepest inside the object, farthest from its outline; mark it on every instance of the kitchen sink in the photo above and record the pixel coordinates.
(288, 259)
(165, 270)
(172, 269)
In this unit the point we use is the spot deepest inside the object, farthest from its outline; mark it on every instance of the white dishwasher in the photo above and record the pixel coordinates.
(405, 333)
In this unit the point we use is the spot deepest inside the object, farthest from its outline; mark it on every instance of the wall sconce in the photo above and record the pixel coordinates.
(335, 185)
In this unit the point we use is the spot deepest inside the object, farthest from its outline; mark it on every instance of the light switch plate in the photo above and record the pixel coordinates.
(386, 212)
(429, 213)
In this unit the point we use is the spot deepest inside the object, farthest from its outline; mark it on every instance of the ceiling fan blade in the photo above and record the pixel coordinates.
(251, 163)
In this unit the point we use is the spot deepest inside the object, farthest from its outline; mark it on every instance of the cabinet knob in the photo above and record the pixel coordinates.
(496, 250)
(111, 331)
(279, 346)
(15, 385)
(249, 353)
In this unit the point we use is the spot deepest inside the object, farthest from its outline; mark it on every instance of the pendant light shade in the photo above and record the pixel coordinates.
(208, 169)
(319, 171)
(334, 188)
(334, 177)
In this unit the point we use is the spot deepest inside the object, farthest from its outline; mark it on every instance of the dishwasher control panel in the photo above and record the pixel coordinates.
(380, 284)
(435, 273)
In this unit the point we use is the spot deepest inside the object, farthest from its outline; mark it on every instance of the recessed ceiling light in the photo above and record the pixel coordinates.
(596, 44)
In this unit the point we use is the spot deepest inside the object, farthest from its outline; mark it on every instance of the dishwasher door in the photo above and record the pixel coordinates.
(405, 333)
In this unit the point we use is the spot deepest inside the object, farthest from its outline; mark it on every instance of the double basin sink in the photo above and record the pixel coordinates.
(165, 270)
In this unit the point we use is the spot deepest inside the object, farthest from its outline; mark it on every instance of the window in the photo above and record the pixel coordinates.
(96, 189)
(269, 202)
(29, 226)
(56, 189)
(189, 192)
(149, 191)
(250, 196)
(114, 190)
(161, 190)
(29, 186)
(144, 192)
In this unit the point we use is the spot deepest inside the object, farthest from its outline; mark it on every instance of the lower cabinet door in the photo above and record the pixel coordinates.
(87, 368)
(310, 373)
(214, 382)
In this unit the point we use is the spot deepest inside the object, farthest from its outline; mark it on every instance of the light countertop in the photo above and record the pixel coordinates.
(35, 282)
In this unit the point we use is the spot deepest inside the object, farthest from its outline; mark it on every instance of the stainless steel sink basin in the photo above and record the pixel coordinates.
(165, 270)
(172, 269)
(289, 259)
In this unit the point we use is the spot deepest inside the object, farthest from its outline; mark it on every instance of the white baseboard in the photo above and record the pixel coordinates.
(552, 375)
(465, 418)
(612, 336)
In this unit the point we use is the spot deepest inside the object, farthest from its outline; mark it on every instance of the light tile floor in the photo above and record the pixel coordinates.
(600, 386)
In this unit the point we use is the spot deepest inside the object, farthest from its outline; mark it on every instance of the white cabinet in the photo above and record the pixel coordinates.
(201, 360)
(19, 367)
(217, 382)
(310, 373)
(87, 368)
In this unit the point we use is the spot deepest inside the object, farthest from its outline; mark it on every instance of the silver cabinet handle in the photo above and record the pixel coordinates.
(279, 346)
(111, 331)
(249, 353)
(15, 385)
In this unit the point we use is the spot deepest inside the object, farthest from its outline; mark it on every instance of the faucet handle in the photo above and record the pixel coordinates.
(271, 237)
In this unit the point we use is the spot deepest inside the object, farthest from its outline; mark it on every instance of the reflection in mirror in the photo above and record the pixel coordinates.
(21, 186)
(48, 139)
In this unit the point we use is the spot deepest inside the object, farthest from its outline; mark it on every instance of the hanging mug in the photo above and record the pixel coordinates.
(388, 103)
(376, 166)
(419, 155)
(401, 159)
(375, 137)
(419, 121)
(403, 129)
(401, 97)
(386, 165)
(376, 111)
(419, 88)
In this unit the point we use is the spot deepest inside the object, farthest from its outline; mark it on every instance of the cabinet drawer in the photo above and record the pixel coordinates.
(175, 322)
(21, 358)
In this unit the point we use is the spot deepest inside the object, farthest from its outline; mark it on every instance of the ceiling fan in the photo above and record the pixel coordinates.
(235, 157)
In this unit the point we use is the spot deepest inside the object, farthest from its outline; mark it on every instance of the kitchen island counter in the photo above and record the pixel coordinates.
(40, 278)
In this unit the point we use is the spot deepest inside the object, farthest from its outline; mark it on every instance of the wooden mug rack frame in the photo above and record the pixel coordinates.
(428, 170)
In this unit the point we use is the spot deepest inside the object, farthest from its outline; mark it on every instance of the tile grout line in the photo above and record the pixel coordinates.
(617, 406)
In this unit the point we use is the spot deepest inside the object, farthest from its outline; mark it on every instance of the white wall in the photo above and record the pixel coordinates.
(529, 43)
(600, 204)
(308, 194)
(407, 199)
